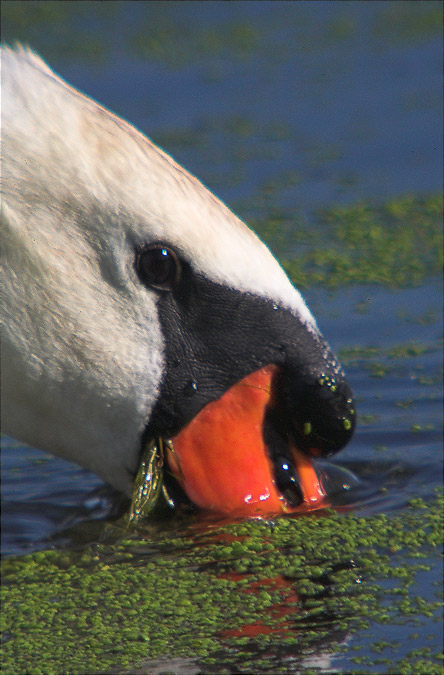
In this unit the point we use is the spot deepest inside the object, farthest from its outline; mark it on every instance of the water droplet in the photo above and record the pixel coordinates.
(190, 388)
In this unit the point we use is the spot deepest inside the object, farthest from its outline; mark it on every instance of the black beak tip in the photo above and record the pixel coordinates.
(325, 419)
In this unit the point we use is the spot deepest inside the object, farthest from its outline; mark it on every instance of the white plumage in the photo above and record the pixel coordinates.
(83, 351)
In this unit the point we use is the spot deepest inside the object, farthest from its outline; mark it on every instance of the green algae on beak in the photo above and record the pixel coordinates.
(149, 485)
(148, 482)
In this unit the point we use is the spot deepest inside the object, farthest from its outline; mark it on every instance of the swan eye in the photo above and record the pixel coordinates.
(159, 267)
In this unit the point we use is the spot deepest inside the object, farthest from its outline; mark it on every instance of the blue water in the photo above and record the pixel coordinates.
(361, 114)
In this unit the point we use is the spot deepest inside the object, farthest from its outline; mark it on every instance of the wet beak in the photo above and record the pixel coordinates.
(227, 462)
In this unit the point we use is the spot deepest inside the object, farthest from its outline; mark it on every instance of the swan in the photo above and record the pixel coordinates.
(136, 304)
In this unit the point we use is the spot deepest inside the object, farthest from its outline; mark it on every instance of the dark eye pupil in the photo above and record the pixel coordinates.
(158, 267)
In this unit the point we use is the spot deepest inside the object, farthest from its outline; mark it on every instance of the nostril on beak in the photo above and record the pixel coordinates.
(323, 414)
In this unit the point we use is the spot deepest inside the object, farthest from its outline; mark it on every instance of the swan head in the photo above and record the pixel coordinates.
(134, 300)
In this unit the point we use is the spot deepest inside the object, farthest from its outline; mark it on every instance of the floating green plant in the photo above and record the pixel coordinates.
(397, 244)
(225, 594)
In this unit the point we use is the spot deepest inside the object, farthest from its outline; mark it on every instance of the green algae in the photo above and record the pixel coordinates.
(161, 34)
(28, 21)
(397, 244)
(229, 595)
(408, 21)
(403, 350)
(148, 488)
(399, 364)
(164, 38)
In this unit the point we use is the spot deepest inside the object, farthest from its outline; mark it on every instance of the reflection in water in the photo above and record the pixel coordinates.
(38, 524)
(256, 595)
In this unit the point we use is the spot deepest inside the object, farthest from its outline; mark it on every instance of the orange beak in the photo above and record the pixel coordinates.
(221, 460)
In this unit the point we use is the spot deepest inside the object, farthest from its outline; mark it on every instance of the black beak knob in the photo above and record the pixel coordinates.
(322, 411)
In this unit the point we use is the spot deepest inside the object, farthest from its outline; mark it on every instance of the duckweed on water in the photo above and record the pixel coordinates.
(228, 595)
(398, 244)
(401, 351)
(160, 32)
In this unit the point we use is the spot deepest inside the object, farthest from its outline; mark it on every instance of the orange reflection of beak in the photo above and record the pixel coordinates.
(221, 461)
